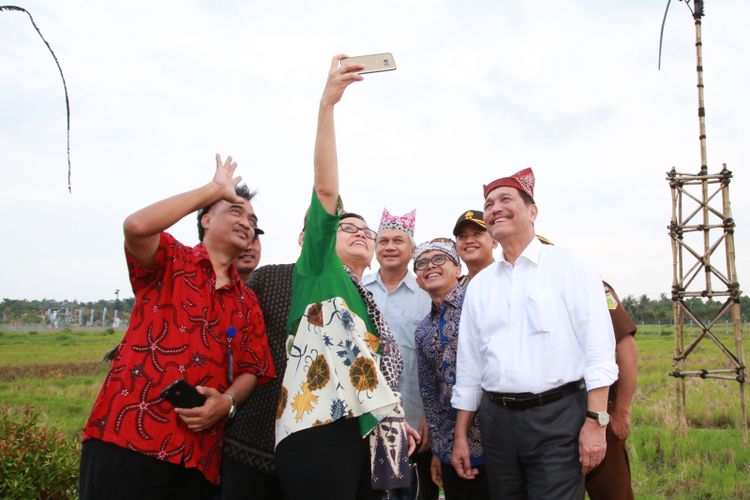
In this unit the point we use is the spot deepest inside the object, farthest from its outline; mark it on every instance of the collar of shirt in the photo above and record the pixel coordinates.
(455, 298)
(531, 253)
(409, 281)
(200, 252)
(201, 255)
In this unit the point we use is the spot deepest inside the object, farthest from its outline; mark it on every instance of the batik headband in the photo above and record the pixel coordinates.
(403, 223)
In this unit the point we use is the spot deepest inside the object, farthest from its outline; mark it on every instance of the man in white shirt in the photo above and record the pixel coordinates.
(537, 350)
(404, 304)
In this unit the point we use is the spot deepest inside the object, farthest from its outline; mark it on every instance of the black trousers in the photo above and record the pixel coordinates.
(328, 462)
(456, 488)
(240, 481)
(533, 453)
(111, 472)
(427, 489)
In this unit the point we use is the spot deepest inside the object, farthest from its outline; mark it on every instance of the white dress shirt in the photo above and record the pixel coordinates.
(533, 327)
(403, 308)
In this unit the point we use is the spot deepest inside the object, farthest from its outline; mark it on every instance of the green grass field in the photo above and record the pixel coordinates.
(709, 460)
(59, 374)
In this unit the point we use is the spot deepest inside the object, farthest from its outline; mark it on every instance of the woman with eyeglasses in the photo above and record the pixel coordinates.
(340, 429)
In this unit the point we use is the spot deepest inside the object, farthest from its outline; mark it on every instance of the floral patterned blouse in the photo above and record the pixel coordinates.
(332, 351)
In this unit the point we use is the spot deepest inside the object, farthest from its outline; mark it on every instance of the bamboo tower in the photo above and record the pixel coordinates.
(701, 229)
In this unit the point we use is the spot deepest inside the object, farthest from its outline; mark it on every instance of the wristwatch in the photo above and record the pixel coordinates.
(602, 418)
(233, 408)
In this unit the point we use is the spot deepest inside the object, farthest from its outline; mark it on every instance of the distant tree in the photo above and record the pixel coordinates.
(32, 318)
(631, 306)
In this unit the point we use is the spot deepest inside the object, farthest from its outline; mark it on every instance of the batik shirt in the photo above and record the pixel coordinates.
(178, 330)
(437, 343)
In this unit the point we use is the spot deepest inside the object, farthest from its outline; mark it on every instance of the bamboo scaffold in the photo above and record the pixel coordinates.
(701, 226)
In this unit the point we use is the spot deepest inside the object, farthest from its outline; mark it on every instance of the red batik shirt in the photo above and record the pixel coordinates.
(178, 329)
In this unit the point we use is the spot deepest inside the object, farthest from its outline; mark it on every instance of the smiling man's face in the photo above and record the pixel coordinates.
(393, 249)
(231, 224)
(474, 245)
(507, 215)
(438, 279)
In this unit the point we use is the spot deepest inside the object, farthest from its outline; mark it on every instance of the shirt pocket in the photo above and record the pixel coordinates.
(541, 313)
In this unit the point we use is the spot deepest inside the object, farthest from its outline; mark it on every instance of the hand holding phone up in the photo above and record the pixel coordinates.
(372, 63)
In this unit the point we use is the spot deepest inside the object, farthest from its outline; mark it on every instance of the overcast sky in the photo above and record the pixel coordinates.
(483, 89)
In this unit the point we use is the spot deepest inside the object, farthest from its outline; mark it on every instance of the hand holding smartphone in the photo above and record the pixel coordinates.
(183, 395)
(373, 63)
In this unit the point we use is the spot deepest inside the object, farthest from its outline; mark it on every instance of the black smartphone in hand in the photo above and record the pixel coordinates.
(183, 395)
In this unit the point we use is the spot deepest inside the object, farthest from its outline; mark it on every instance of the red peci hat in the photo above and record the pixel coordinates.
(522, 180)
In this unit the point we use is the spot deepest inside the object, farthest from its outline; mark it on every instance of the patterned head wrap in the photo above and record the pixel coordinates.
(445, 245)
(403, 223)
(522, 180)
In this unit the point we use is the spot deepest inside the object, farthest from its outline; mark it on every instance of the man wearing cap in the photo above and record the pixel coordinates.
(403, 305)
(536, 349)
(438, 267)
(474, 243)
(248, 260)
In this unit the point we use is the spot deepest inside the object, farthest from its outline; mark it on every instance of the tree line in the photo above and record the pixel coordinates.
(643, 309)
(647, 311)
(14, 311)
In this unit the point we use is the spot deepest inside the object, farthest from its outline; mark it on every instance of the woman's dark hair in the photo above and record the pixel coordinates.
(346, 215)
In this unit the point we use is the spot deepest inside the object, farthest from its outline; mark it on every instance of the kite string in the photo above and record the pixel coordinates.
(65, 86)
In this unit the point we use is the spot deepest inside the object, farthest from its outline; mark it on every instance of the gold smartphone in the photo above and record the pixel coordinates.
(373, 63)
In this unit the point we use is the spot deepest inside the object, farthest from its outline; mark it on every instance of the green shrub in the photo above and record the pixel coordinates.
(35, 461)
(33, 332)
(109, 331)
(65, 339)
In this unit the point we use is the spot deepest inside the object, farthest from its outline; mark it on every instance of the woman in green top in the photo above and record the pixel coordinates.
(340, 431)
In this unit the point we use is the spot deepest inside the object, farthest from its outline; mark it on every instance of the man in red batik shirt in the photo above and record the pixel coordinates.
(191, 310)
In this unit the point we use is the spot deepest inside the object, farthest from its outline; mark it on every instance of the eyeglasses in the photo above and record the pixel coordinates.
(436, 260)
(348, 227)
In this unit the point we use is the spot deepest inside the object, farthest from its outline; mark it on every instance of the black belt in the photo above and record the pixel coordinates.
(526, 400)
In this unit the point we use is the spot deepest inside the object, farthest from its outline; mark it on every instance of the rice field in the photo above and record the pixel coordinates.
(59, 374)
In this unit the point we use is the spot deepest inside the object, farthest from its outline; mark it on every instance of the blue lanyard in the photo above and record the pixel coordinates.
(231, 332)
